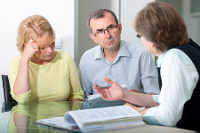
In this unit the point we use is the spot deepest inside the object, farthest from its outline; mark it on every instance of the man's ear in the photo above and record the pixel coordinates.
(120, 27)
(93, 37)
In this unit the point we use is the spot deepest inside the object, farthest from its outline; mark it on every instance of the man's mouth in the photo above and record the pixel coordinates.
(109, 42)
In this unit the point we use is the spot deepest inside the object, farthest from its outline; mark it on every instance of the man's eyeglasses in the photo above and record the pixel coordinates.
(138, 36)
(101, 32)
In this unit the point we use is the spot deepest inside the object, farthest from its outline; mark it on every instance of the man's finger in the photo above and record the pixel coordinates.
(109, 80)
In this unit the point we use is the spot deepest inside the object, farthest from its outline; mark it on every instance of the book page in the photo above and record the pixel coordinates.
(57, 122)
(95, 98)
(102, 114)
(96, 119)
(69, 120)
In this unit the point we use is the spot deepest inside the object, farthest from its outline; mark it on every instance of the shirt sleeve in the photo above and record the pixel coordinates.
(76, 91)
(12, 75)
(155, 98)
(149, 76)
(179, 79)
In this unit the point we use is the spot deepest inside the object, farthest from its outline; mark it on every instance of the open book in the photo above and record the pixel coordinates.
(96, 119)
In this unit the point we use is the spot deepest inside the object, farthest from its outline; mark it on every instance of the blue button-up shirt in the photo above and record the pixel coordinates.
(133, 68)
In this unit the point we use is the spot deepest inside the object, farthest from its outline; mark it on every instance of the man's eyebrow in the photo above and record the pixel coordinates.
(106, 27)
(110, 25)
(99, 29)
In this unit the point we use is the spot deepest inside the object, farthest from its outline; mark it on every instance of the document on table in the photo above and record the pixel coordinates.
(96, 119)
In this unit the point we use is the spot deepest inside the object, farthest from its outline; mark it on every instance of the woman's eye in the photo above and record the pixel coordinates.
(42, 48)
(53, 44)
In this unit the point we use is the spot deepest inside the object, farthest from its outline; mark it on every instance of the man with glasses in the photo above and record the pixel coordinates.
(127, 64)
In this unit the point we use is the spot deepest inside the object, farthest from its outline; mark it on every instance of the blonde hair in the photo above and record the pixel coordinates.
(33, 27)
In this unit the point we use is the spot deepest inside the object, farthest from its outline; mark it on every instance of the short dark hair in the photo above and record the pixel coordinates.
(161, 24)
(100, 13)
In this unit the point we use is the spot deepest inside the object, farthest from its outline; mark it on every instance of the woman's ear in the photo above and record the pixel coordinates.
(25, 44)
(152, 45)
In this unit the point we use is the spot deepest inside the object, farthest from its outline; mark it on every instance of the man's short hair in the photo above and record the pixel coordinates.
(100, 13)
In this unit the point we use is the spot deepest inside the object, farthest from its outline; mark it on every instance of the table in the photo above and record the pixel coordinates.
(17, 118)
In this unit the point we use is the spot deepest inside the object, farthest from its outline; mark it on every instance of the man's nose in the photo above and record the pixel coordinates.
(107, 33)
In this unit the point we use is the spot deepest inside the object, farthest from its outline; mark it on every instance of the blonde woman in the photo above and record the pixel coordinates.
(40, 73)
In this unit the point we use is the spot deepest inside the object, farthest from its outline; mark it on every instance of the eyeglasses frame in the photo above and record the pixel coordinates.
(138, 36)
(105, 30)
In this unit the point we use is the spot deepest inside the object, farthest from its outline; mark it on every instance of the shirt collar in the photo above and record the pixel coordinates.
(123, 51)
(160, 59)
(99, 53)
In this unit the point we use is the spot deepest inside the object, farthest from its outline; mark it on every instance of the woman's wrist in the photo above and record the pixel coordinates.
(126, 95)
(141, 109)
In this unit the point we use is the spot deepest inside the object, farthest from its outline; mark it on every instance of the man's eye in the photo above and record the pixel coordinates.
(100, 31)
(110, 27)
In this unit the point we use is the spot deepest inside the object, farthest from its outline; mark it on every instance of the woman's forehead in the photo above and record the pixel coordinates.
(45, 40)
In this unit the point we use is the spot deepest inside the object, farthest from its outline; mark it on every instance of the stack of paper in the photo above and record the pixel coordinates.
(96, 119)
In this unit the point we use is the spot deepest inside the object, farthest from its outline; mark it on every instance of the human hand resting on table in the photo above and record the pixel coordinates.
(115, 92)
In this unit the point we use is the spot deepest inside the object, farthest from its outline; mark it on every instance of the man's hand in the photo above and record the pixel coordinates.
(115, 92)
